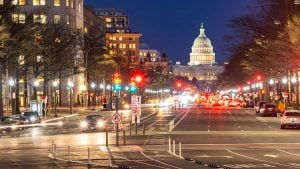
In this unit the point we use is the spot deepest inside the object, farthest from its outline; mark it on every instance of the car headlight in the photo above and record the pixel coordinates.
(32, 119)
(83, 124)
(100, 123)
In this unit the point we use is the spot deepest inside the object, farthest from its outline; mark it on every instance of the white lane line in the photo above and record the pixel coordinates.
(255, 159)
(298, 155)
(169, 165)
(181, 119)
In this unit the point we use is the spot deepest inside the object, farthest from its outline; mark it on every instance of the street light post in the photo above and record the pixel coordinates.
(71, 85)
(55, 83)
(11, 83)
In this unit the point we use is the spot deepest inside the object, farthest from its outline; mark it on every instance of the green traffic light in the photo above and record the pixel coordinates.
(117, 87)
(132, 89)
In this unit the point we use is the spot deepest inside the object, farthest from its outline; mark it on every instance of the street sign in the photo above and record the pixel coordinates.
(136, 101)
(136, 110)
(116, 118)
(285, 95)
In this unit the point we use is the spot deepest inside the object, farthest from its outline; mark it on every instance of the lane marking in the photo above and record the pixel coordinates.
(255, 159)
(169, 165)
(271, 155)
(181, 119)
(207, 156)
(298, 155)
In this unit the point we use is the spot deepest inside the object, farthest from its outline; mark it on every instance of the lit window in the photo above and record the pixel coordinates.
(56, 19)
(56, 2)
(39, 58)
(114, 38)
(39, 2)
(72, 4)
(1, 2)
(67, 19)
(120, 46)
(120, 38)
(85, 29)
(18, 18)
(21, 60)
(124, 46)
(22, 2)
(37, 18)
(133, 46)
(14, 2)
(110, 45)
(111, 52)
(110, 38)
(108, 19)
(67, 2)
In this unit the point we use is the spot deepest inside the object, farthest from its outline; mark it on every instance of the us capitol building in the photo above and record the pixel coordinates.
(202, 65)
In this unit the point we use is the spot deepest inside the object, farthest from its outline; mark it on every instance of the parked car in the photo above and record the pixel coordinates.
(290, 118)
(8, 124)
(92, 122)
(268, 109)
(259, 106)
(30, 117)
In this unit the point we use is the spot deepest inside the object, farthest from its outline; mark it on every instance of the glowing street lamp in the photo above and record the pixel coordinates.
(284, 80)
(93, 85)
(271, 82)
(293, 79)
(36, 83)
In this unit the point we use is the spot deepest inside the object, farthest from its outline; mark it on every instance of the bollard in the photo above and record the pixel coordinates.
(143, 128)
(169, 144)
(124, 138)
(106, 138)
(69, 154)
(174, 147)
(130, 128)
(89, 157)
(54, 152)
(180, 149)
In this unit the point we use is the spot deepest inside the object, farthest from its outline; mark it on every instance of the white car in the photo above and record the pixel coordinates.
(290, 118)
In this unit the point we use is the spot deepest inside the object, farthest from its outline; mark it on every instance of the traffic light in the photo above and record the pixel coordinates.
(117, 86)
(137, 77)
(132, 88)
(178, 84)
(258, 77)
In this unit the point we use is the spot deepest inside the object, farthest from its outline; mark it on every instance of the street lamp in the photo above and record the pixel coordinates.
(55, 84)
(70, 86)
(11, 83)
(36, 83)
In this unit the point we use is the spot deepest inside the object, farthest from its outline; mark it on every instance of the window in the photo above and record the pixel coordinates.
(1, 2)
(67, 19)
(72, 4)
(39, 2)
(56, 2)
(56, 19)
(120, 38)
(21, 60)
(39, 18)
(131, 46)
(18, 18)
(67, 2)
(39, 58)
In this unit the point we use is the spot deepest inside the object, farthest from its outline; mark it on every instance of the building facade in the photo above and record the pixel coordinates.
(121, 43)
(68, 12)
(202, 64)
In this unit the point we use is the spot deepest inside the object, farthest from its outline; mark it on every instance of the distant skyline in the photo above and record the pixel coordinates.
(172, 25)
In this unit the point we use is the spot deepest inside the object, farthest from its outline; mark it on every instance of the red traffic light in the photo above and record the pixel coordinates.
(258, 77)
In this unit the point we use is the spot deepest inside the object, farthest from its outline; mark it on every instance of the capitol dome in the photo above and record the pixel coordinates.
(202, 50)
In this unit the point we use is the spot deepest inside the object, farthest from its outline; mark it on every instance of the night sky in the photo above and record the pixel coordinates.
(172, 25)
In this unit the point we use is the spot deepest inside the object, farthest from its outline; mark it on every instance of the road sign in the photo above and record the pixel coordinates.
(285, 94)
(116, 118)
(136, 110)
(138, 118)
(136, 101)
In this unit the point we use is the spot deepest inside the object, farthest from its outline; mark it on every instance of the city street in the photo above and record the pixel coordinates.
(234, 138)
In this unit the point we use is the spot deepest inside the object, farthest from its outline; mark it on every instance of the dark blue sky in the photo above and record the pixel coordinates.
(172, 25)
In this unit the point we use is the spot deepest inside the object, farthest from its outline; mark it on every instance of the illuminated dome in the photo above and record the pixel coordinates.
(202, 50)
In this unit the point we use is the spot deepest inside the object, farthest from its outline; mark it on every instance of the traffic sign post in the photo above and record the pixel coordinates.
(136, 109)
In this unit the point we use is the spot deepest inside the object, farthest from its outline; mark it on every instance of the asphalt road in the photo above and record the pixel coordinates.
(232, 138)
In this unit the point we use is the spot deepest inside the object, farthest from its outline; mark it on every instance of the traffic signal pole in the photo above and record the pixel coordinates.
(117, 124)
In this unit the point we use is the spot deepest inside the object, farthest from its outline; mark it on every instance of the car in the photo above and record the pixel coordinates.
(268, 109)
(216, 106)
(8, 124)
(92, 122)
(30, 117)
(290, 118)
(259, 106)
(248, 104)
